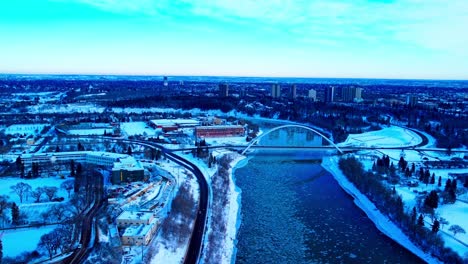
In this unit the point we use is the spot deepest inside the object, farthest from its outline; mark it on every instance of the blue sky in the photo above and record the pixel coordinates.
(424, 39)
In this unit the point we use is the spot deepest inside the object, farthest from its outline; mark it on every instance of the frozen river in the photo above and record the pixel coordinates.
(293, 211)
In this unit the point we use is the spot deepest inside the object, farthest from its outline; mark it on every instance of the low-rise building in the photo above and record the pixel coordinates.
(137, 235)
(129, 218)
(219, 131)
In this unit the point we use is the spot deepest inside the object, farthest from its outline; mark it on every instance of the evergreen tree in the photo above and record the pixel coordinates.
(19, 162)
(1, 251)
(72, 168)
(454, 185)
(57, 149)
(15, 214)
(433, 178)
(129, 150)
(440, 181)
(79, 169)
(435, 226)
(420, 220)
(466, 182)
(413, 168)
(448, 185)
(432, 200)
(80, 147)
(413, 216)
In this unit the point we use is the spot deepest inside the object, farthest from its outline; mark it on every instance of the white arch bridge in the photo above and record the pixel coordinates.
(257, 139)
(254, 141)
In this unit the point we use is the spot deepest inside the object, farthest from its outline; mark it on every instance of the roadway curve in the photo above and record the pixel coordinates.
(196, 240)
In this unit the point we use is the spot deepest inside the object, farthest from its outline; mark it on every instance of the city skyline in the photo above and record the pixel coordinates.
(318, 39)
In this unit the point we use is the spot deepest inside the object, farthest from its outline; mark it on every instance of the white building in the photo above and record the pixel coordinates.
(128, 218)
(137, 235)
(313, 94)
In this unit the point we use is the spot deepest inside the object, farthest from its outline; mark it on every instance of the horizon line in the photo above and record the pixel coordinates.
(225, 76)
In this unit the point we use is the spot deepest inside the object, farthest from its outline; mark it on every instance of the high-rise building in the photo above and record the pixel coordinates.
(351, 94)
(276, 91)
(411, 100)
(329, 94)
(358, 94)
(293, 91)
(313, 94)
(165, 81)
(223, 90)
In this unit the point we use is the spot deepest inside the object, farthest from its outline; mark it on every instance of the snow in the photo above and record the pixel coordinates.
(395, 136)
(233, 215)
(381, 222)
(28, 129)
(137, 128)
(91, 131)
(17, 241)
(455, 214)
(7, 182)
(392, 136)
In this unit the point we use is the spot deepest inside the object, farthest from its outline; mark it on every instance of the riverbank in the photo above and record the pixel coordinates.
(234, 211)
(381, 221)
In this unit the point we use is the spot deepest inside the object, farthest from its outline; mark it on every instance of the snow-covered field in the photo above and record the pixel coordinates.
(387, 137)
(29, 237)
(28, 129)
(90, 131)
(17, 241)
(137, 128)
(7, 182)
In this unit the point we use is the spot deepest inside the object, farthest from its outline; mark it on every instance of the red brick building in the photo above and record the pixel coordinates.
(219, 131)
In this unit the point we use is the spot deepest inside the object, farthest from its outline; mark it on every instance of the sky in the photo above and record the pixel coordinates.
(401, 39)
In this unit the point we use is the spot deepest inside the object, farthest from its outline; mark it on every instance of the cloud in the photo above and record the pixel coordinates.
(436, 25)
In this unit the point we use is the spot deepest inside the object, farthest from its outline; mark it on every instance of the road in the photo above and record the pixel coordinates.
(196, 240)
(94, 188)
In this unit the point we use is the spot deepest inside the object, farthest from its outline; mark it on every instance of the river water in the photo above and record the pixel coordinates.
(293, 211)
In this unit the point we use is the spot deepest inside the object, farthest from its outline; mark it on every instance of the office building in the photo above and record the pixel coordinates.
(223, 90)
(293, 91)
(276, 91)
(351, 94)
(329, 94)
(411, 100)
(313, 95)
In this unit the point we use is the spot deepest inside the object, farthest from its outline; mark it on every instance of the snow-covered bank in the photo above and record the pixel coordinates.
(233, 213)
(381, 221)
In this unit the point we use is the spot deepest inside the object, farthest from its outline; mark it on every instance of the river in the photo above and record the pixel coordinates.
(293, 211)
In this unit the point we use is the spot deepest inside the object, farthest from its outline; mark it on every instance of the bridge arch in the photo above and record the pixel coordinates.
(257, 139)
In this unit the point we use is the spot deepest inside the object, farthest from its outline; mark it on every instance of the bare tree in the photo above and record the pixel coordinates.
(68, 186)
(37, 194)
(50, 192)
(58, 211)
(47, 242)
(21, 189)
(455, 229)
(46, 216)
(65, 233)
(77, 202)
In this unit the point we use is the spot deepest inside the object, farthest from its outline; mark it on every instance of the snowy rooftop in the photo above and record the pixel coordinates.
(219, 127)
(126, 215)
(172, 122)
(127, 163)
(139, 230)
